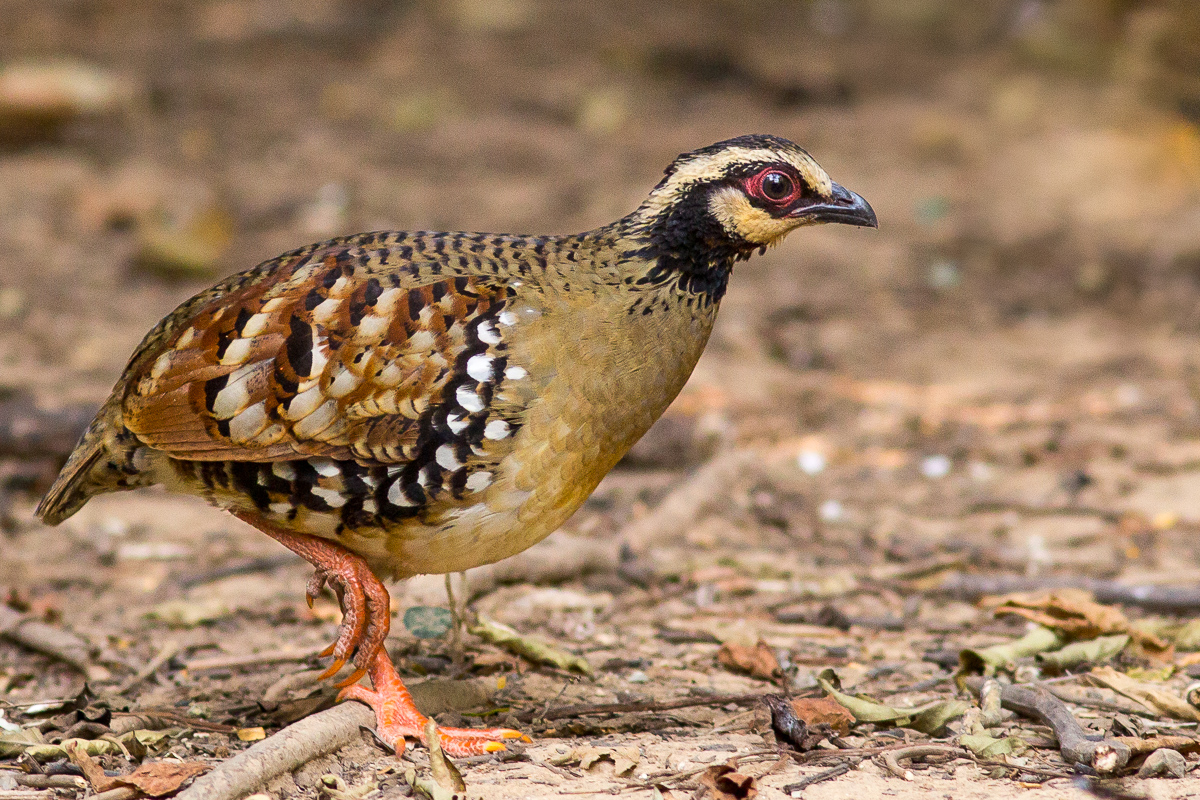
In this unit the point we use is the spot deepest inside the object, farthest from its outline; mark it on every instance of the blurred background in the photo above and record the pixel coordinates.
(1004, 376)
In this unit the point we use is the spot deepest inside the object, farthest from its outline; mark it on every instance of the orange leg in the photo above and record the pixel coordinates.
(397, 717)
(366, 606)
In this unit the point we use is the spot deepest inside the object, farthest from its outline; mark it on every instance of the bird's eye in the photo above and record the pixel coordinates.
(777, 186)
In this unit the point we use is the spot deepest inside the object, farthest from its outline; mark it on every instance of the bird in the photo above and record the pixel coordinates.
(391, 403)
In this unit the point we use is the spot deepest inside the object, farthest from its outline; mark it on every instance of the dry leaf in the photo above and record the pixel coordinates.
(529, 647)
(251, 734)
(928, 718)
(161, 778)
(806, 723)
(443, 771)
(1157, 700)
(589, 756)
(624, 758)
(725, 783)
(1075, 615)
(88, 766)
(759, 660)
(157, 778)
(823, 710)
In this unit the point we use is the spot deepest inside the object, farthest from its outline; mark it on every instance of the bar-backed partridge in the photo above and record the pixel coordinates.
(388, 404)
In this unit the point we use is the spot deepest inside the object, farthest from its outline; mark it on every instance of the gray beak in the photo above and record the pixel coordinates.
(845, 207)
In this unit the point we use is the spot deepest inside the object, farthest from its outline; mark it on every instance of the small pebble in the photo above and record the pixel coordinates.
(943, 275)
(637, 676)
(980, 471)
(811, 462)
(1128, 395)
(934, 467)
(1163, 763)
(831, 511)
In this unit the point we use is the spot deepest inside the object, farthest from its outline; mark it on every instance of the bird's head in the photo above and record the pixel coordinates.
(719, 204)
(757, 189)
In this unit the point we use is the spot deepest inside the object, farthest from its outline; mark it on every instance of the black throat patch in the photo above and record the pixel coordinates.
(688, 246)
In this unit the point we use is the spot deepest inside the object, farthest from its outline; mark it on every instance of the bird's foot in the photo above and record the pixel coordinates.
(366, 613)
(397, 717)
(366, 606)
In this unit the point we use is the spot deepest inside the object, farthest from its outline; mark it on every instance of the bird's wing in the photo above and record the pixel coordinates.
(321, 354)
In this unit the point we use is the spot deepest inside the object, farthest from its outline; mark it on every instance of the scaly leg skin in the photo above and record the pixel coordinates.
(366, 606)
(397, 717)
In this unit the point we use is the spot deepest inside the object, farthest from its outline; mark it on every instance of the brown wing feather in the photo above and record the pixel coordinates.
(320, 361)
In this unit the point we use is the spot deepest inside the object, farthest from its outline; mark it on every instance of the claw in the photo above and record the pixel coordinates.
(397, 717)
(315, 584)
(366, 607)
(354, 678)
(332, 670)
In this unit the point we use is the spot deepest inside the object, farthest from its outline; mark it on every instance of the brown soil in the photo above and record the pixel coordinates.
(1005, 373)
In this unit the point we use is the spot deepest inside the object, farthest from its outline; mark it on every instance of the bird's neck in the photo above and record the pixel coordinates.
(679, 248)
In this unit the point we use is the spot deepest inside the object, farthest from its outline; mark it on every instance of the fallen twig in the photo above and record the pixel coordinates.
(262, 564)
(1082, 697)
(891, 758)
(56, 642)
(804, 783)
(645, 705)
(971, 587)
(255, 659)
(1048, 773)
(119, 793)
(164, 655)
(293, 746)
(1139, 746)
(50, 781)
(988, 506)
(701, 492)
(1106, 755)
(157, 719)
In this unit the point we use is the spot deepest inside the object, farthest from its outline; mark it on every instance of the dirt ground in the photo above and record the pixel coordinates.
(1003, 379)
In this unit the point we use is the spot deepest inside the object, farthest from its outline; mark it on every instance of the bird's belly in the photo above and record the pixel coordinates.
(342, 502)
(579, 418)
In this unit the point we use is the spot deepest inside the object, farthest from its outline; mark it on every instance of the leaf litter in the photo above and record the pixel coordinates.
(1029, 422)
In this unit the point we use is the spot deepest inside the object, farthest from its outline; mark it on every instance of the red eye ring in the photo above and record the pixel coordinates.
(774, 186)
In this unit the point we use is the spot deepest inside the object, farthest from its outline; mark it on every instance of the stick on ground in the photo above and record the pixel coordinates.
(295, 745)
(1105, 755)
(56, 642)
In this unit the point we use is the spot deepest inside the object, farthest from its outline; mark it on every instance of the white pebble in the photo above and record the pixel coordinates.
(811, 462)
(935, 466)
(831, 511)
(980, 471)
